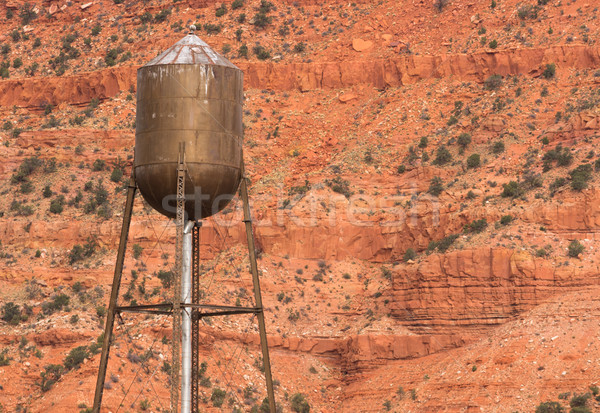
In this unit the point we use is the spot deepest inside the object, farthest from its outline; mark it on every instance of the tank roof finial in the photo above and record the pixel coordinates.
(192, 29)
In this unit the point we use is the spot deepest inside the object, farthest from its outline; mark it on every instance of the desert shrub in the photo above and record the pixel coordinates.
(443, 244)
(218, 397)
(440, 4)
(116, 175)
(212, 28)
(476, 226)
(299, 47)
(339, 185)
(4, 359)
(506, 219)
(299, 404)
(162, 15)
(27, 167)
(221, 10)
(493, 82)
(261, 53)
(442, 156)
(27, 13)
(75, 357)
(96, 30)
(549, 407)
(410, 254)
(261, 19)
(575, 248)
(11, 313)
(498, 147)
(562, 157)
(57, 205)
(549, 71)
(463, 140)
(79, 252)
(51, 374)
(166, 278)
(243, 51)
(98, 165)
(579, 400)
(137, 251)
(511, 190)
(401, 169)
(57, 303)
(580, 176)
(436, 186)
(528, 11)
(237, 4)
(473, 161)
(493, 44)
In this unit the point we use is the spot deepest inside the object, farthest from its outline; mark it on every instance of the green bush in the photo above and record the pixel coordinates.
(579, 400)
(162, 15)
(49, 376)
(212, 28)
(498, 147)
(580, 176)
(221, 10)
(166, 278)
(512, 190)
(237, 4)
(261, 53)
(218, 397)
(442, 156)
(11, 313)
(299, 404)
(493, 82)
(410, 254)
(27, 167)
(299, 47)
(57, 304)
(96, 30)
(57, 205)
(506, 219)
(443, 244)
(575, 248)
(549, 71)
(476, 226)
(463, 140)
(549, 407)
(493, 44)
(473, 161)
(116, 175)
(261, 20)
(436, 186)
(75, 357)
(137, 251)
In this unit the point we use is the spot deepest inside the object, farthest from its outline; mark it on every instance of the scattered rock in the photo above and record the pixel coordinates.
(361, 45)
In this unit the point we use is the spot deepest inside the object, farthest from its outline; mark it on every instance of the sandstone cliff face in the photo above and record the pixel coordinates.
(473, 289)
(379, 73)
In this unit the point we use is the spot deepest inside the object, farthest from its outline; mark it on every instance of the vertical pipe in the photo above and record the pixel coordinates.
(110, 316)
(186, 318)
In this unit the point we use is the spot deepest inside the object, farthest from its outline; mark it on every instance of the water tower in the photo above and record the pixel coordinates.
(188, 165)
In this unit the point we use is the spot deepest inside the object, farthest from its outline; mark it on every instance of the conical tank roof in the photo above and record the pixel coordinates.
(190, 50)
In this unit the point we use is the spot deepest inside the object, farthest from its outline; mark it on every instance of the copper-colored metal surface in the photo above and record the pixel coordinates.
(189, 94)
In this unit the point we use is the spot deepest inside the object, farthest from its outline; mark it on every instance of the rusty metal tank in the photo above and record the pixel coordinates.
(190, 94)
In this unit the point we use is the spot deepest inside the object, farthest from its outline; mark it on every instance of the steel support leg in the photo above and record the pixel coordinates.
(110, 317)
(257, 295)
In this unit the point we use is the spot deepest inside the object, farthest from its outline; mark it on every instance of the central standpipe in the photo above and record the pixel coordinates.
(186, 319)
